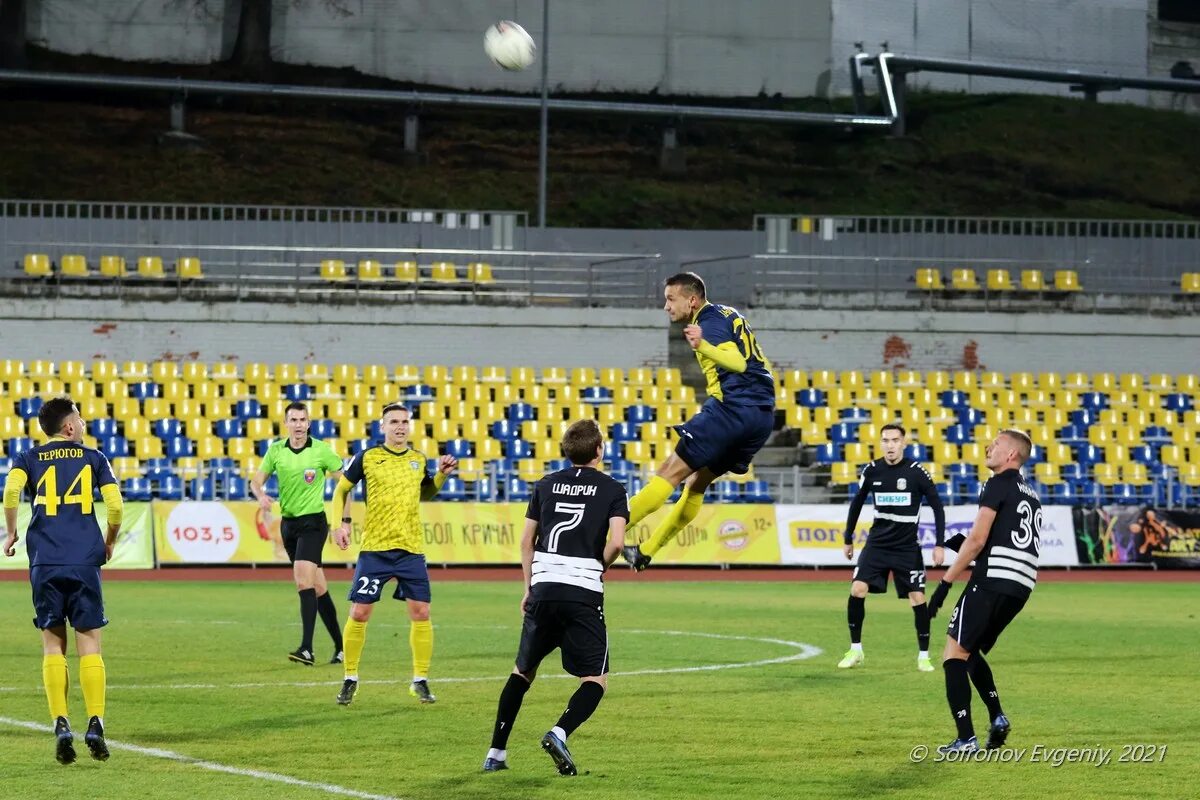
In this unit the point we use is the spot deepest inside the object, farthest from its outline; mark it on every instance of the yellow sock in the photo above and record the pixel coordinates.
(684, 511)
(54, 678)
(93, 680)
(354, 636)
(420, 638)
(649, 499)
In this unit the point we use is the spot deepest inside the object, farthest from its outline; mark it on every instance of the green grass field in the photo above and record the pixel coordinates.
(198, 669)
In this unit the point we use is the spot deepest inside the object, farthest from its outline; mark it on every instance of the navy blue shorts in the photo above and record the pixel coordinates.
(724, 438)
(63, 594)
(375, 568)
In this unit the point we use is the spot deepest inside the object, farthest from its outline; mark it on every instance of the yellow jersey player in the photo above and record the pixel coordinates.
(66, 552)
(393, 544)
(733, 424)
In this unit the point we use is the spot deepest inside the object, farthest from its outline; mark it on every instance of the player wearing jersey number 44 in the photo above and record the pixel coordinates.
(898, 484)
(732, 426)
(574, 528)
(66, 552)
(1004, 542)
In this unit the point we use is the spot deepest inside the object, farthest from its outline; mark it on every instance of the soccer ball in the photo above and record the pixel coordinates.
(509, 46)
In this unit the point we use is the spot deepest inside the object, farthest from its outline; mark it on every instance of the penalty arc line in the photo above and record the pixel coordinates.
(213, 766)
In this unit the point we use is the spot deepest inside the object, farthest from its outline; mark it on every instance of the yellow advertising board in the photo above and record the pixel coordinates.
(455, 533)
(135, 543)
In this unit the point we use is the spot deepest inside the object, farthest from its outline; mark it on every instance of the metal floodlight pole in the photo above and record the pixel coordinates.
(545, 126)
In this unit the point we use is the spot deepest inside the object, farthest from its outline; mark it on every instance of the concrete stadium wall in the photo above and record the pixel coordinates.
(87, 329)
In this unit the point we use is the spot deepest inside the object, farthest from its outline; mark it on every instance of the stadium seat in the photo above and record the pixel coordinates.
(369, 270)
(75, 266)
(1032, 280)
(964, 280)
(516, 490)
(1066, 280)
(1189, 283)
(480, 273)
(999, 280)
(406, 271)
(928, 279)
(188, 269)
(333, 270)
(443, 272)
(150, 267)
(37, 265)
(112, 266)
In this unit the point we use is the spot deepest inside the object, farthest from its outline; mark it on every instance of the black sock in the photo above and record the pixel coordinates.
(581, 706)
(958, 694)
(985, 684)
(329, 617)
(507, 710)
(308, 616)
(856, 612)
(921, 620)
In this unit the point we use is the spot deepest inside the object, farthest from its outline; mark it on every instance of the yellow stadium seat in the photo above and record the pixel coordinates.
(1130, 382)
(155, 408)
(480, 273)
(639, 376)
(1189, 283)
(150, 267)
(522, 376)
(315, 373)
(125, 468)
(112, 266)
(435, 375)
(188, 268)
(92, 408)
(857, 453)
(1105, 474)
(999, 280)
(369, 270)
(964, 280)
(75, 266)
(1160, 382)
(1047, 473)
(333, 269)
(443, 272)
(407, 271)
(1189, 474)
(488, 449)
(78, 390)
(372, 375)
(164, 372)
(668, 376)
(1189, 383)
(841, 474)
(37, 265)
(493, 375)
(1104, 382)
(1135, 473)
(134, 371)
(148, 447)
(547, 449)
(1078, 381)
(554, 375)
(188, 467)
(1066, 280)
(928, 279)
(1032, 280)
(224, 372)
(972, 453)
(794, 379)
(464, 376)
(194, 373)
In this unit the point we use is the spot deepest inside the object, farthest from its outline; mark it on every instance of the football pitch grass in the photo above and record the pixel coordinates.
(724, 689)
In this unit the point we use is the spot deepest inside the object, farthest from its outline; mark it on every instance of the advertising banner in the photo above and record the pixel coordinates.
(1140, 535)
(455, 533)
(811, 535)
(135, 543)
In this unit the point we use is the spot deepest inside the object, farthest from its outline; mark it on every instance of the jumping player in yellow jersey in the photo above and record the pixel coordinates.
(392, 545)
(733, 424)
(65, 555)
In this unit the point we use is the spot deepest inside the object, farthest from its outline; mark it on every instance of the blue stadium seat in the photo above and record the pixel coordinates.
(1156, 434)
(1072, 472)
(1089, 491)
(300, 392)
(917, 452)
(556, 464)
(519, 448)
(1179, 402)
(597, 395)
(970, 417)
(137, 489)
(634, 485)
(827, 453)
(1072, 435)
(201, 489)
(229, 429)
(516, 490)
(957, 434)
(1064, 494)
(1088, 454)
(453, 490)
(621, 470)
(178, 447)
(102, 428)
(1095, 401)
(356, 446)
(501, 468)
(359, 491)
(943, 490)
(506, 431)
(1037, 454)
(483, 489)
(28, 407)
(459, 448)
(758, 491)
(841, 432)
(157, 470)
(624, 432)
(1084, 417)
(237, 488)
(324, 429)
(611, 451)
(965, 490)
(262, 445)
(170, 488)
(516, 413)
(167, 428)
(5, 466)
(1144, 454)
(330, 485)
(114, 447)
(729, 492)
(1123, 494)
(271, 484)
(954, 399)
(223, 468)
(418, 393)
(247, 409)
(854, 415)
(18, 445)
(810, 398)
(952, 471)
(640, 413)
(144, 390)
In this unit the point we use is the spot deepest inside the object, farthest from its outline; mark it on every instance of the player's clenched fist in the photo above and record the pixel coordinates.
(694, 335)
(447, 464)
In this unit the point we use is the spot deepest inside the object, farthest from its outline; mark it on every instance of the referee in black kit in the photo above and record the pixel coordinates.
(574, 530)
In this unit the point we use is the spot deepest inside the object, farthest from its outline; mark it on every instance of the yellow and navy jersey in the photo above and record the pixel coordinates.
(62, 480)
(393, 497)
(755, 386)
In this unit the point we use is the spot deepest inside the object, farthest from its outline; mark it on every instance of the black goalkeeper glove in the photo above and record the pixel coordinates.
(955, 542)
(938, 598)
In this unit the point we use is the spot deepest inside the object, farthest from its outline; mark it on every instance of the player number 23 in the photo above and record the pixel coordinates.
(79, 491)
(368, 586)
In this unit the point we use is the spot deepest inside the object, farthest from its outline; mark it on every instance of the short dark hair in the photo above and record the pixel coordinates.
(580, 441)
(390, 407)
(893, 426)
(295, 405)
(54, 413)
(1022, 440)
(689, 282)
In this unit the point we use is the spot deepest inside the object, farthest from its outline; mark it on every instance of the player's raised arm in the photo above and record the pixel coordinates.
(856, 505)
(14, 484)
